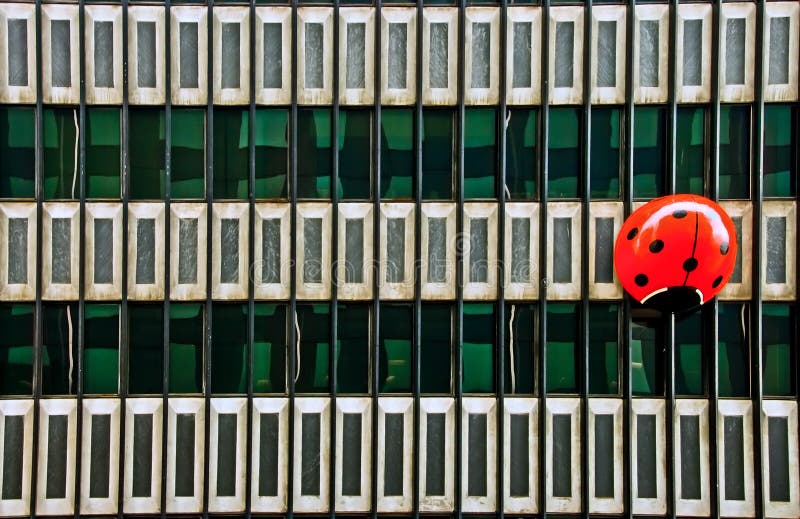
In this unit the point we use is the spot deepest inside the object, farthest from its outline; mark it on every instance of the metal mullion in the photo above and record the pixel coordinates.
(334, 306)
(167, 218)
(501, 307)
(459, 259)
(417, 368)
(376, 255)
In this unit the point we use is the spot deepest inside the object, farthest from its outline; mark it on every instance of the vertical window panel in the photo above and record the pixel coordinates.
(272, 46)
(565, 153)
(522, 66)
(103, 251)
(439, 45)
(522, 156)
(146, 55)
(315, 63)
(355, 266)
(737, 52)
(19, 76)
(693, 56)
(606, 152)
(608, 54)
(232, 49)
(394, 342)
(481, 59)
(480, 158)
(17, 152)
(18, 252)
(437, 154)
(103, 152)
(781, 128)
(397, 153)
(103, 42)
(398, 50)
(649, 152)
(60, 63)
(188, 228)
(189, 44)
(16, 351)
(357, 55)
(145, 349)
(229, 250)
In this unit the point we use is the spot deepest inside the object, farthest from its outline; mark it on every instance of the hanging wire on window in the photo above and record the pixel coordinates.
(75, 155)
(505, 186)
(511, 350)
(297, 347)
(69, 346)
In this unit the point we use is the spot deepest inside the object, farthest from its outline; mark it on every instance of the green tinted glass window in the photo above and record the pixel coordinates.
(17, 152)
(478, 348)
(231, 153)
(778, 341)
(145, 349)
(437, 154)
(437, 335)
(480, 152)
(147, 136)
(522, 161)
(564, 153)
(355, 154)
(188, 153)
(734, 152)
(647, 359)
(397, 153)
(562, 340)
(522, 320)
(605, 152)
(269, 348)
(396, 325)
(313, 368)
(103, 155)
(689, 355)
(229, 348)
(352, 348)
(272, 153)
(603, 349)
(16, 349)
(690, 160)
(186, 332)
(101, 349)
(59, 349)
(314, 161)
(649, 151)
(780, 141)
(733, 351)
(60, 168)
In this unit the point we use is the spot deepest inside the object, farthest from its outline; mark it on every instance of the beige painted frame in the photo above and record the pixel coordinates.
(241, 95)
(109, 291)
(407, 95)
(363, 290)
(95, 94)
(22, 291)
(53, 94)
(532, 94)
(660, 93)
(187, 291)
(365, 95)
(18, 94)
(59, 291)
(93, 407)
(474, 95)
(574, 94)
(446, 290)
(151, 504)
(313, 291)
(449, 95)
(746, 91)
(693, 93)
(615, 94)
(488, 290)
(189, 14)
(315, 96)
(140, 211)
(146, 95)
(786, 91)
(283, 16)
(241, 213)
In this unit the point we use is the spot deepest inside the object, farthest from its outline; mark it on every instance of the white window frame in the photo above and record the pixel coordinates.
(322, 406)
(570, 406)
(787, 290)
(692, 407)
(52, 94)
(526, 407)
(399, 96)
(446, 406)
(521, 291)
(18, 94)
(100, 505)
(743, 408)
(657, 505)
(404, 406)
(189, 14)
(315, 96)
(363, 290)
(573, 94)
(446, 290)
(279, 290)
(103, 292)
(615, 94)
(146, 95)
(47, 408)
(152, 504)
(449, 95)
(357, 96)
(404, 289)
(787, 91)
(615, 504)
(237, 406)
(788, 410)
(485, 406)
(572, 290)
(282, 15)
(745, 92)
(279, 406)
(95, 94)
(697, 93)
(531, 95)
(743, 290)
(136, 212)
(660, 93)
(24, 408)
(26, 291)
(313, 291)
(491, 95)
(241, 95)
(195, 406)
(613, 210)
(240, 212)
(194, 291)
(58, 291)
(362, 406)
(488, 290)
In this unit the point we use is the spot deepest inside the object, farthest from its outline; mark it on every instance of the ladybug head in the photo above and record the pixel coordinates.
(676, 252)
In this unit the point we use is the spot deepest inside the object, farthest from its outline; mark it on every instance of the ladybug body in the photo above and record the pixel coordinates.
(676, 252)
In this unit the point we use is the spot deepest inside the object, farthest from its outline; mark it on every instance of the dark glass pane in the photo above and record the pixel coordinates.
(59, 349)
(17, 259)
(103, 153)
(314, 162)
(649, 151)
(185, 441)
(522, 49)
(273, 54)
(314, 54)
(397, 152)
(16, 349)
(231, 36)
(692, 52)
(648, 53)
(478, 348)
(481, 55)
(352, 348)
(734, 152)
(689, 355)
(561, 442)
(562, 340)
(147, 136)
(101, 349)
(397, 55)
(231, 152)
(57, 430)
(603, 349)
(313, 365)
(146, 54)
(480, 152)
(564, 47)
(438, 58)
(778, 333)
(437, 154)
(437, 334)
(186, 332)
(229, 238)
(356, 33)
(229, 348)
(779, 38)
(18, 51)
(352, 453)
(272, 153)
(521, 156)
(104, 54)
(13, 456)
(605, 152)
(17, 152)
(733, 351)
(690, 160)
(103, 251)
(780, 143)
(188, 153)
(60, 61)
(269, 348)
(564, 152)
(606, 53)
(146, 349)
(646, 450)
(519, 352)
(355, 153)
(60, 168)
(188, 53)
(99, 455)
(735, 29)
(477, 439)
(647, 359)
(395, 332)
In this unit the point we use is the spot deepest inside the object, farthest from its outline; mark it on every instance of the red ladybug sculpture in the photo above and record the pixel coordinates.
(676, 252)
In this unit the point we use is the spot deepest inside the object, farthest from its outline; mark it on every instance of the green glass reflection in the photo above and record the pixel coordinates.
(778, 339)
(689, 355)
(396, 325)
(313, 368)
(60, 168)
(603, 349)
(231, 153)
(272, 153)
(352, 348)
(647, 359)
(59, 349)
(480, 152)
(17, 152)
(437, 154)
(733, 351)
(690, 160)
(101, 349)
(269, 348)
(521, 330)
(314, 161)
(16, 349)
(229, 348)
(562, 340)
(780, 132)
(649, 151)
(734, 152)
(437, 336)
(564, 151)
(605, 150)
(522, 161)
(188, 153)
(147, 136)
(186, 332)
(145, 349)
(103, 153)
(478, 348)
(397, 153)
(355, 154)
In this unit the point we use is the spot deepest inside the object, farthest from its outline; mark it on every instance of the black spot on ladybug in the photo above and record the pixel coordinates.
(641, 280)
(716, 282)
(690, 264)
(680, 213)
(656, 246)
(723, 249)
(632, 233)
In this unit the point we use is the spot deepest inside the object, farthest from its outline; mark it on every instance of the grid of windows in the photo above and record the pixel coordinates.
(347, 259)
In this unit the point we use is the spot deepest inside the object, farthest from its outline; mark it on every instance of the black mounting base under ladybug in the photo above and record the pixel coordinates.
(678, 300)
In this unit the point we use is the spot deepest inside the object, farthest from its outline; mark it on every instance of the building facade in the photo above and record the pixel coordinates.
(357, 258)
